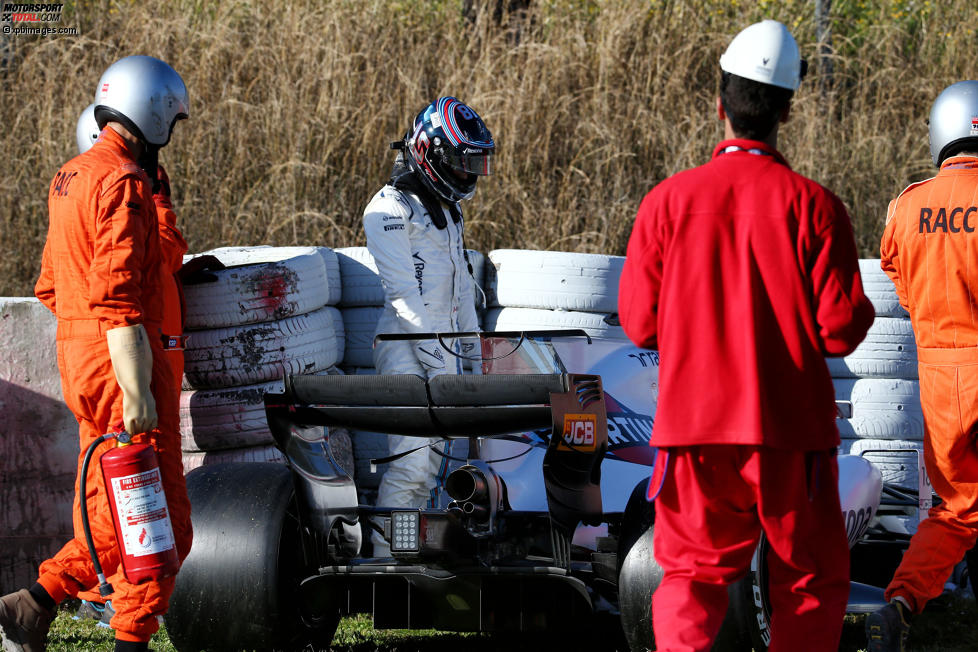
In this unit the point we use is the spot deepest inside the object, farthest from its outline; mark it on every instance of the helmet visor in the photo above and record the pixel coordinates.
(474, 163)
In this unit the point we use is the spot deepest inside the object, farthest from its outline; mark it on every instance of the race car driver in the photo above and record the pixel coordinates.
(173, 247)
(414, 230)
(744, 275)
(928, 250)
(100, 276)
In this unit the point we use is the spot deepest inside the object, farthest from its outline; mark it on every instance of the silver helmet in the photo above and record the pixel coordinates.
(86, 131)
(143, 94)
(954, 120)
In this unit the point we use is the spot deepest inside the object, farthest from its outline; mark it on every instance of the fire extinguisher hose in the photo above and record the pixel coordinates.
(104, 588)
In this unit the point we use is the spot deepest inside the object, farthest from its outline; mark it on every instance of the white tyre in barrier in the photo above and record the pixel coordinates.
(251, 454)
(257, 353)
(893, 425)
(333, 277)
(339, 332)
(231, 417)
(361, 280)
(260, 284)
(896, 459)
(359, 325)
(875, 397)
(518, 278)
(879, 289)
(889, 351)
(525, 319)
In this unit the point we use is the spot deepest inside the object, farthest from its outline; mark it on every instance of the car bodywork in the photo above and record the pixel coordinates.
(548, 529)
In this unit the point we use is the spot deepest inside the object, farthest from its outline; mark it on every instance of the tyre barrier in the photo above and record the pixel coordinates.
(256, 353)
(259, 284)
(553, 280)
(195, 459)
(271, 312)
(879, 289)
(888, 351)
(331, 260)
(882, 408)
(600, 326)
(227, 417)
(896, 459)
(359, 325)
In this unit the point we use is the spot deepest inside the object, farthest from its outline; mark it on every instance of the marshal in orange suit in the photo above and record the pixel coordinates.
(100, 275)
(930, 251)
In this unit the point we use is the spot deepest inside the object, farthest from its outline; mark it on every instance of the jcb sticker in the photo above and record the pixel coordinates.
(578, 432)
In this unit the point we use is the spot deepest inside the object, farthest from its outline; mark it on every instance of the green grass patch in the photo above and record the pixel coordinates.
(950, 624)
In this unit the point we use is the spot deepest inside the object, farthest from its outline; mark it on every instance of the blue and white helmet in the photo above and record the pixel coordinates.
(449, 147)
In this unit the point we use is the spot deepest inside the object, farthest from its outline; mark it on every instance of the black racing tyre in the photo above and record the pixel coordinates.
(750, 599)
(639, 576)
(238, 588)
(638, 572)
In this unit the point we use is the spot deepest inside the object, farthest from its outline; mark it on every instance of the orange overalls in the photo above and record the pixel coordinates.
(930, 250)
(100, 270)
(172, 249)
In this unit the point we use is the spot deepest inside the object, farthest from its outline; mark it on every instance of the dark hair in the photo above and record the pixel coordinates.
(753, 108)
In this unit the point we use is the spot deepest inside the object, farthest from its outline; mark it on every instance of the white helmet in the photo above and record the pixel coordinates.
(954, 120)
(143, 94)
(86, 131)
(765, 52)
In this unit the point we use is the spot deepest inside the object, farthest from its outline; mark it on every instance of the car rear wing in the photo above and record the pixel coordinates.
(570, 406)
(446, 406)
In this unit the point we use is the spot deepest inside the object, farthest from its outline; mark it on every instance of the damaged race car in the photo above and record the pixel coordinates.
(548, 530)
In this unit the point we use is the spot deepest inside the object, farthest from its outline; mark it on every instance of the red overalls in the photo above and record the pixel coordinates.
(744, 275)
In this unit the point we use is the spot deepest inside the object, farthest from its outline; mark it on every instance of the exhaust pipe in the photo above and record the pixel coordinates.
(478, 493)
(467, 484)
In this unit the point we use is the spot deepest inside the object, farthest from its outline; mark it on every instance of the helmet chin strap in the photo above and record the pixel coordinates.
(403, 177)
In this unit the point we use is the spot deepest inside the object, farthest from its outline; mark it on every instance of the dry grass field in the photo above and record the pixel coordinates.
(591, 103)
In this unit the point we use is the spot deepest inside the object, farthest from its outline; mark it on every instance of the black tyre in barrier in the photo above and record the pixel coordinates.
(238, 588)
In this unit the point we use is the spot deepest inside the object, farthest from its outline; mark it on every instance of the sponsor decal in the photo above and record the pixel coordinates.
(33, 19)
(419, 271)
(953, 220)
(578, 432)
(646, 358)
(857, 520)
(61, 182)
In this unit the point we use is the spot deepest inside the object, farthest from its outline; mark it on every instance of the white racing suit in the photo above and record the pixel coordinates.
(428, 288)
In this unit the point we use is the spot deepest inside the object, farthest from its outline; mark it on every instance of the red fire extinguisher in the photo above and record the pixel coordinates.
(138, 506)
